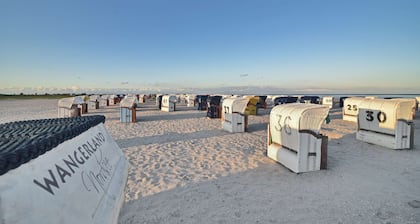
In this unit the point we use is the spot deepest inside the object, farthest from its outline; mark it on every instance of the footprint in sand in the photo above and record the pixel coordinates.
(384, 214)
(414, 204)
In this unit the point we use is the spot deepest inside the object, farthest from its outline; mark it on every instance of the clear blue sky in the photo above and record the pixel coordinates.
(293, 44)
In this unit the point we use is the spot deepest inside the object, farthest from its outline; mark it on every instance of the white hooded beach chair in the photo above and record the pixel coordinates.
(386, 122)
(294, 138)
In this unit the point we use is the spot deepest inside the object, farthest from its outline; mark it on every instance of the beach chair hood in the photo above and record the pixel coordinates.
(235, 105)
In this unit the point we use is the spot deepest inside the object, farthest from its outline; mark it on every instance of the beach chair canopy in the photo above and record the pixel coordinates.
(253, 100)
(129, 102)
(234, 105)
(341, 100)
(285, 99)
(158, 98)
(214, 100)
(130, 95)
(262, 99)
(272, 98)
(105, 97)
(191, 96)
(84, 97)
(381, 115)
(287, 120)
(168, 99)
(351, 105)
(181, 96)
(94, 98)
(300, 116)
(202, 97)
(327, 99)
(413, 101)
(371, 97)
(310, 99)
(68, 102)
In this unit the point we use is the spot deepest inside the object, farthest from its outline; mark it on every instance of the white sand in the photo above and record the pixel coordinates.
(185, 169)
(19, 110)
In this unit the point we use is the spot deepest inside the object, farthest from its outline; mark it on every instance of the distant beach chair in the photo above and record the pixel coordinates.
(128, 110)
(169, 103)
(214, 107)
(69, 107)
(233, 114)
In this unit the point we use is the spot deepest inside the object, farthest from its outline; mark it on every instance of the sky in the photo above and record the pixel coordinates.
(324, 46)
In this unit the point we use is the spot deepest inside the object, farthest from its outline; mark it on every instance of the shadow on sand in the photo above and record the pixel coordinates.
(169, 137)
(257, 127)
(170, 116)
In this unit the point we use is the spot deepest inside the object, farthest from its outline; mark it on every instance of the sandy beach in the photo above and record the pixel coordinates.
(185, 169)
